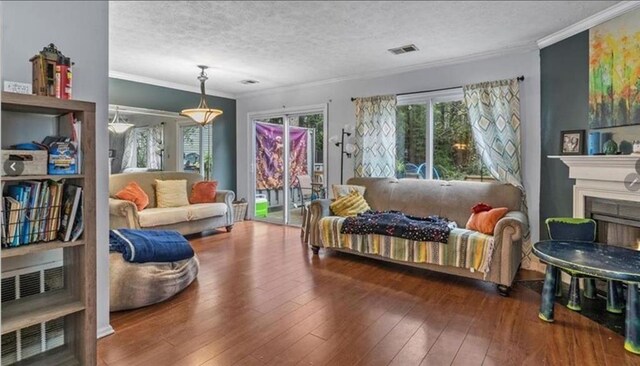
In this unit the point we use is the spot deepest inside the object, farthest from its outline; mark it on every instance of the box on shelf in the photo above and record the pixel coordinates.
(63, 158)
(34, 162)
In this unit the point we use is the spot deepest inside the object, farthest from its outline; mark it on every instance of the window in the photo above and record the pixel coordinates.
(434, 139)
(148, 147)
(197, 149)
(142, 146)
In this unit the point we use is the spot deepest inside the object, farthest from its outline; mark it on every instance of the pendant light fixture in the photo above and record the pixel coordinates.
(202, 114)
(119, 124)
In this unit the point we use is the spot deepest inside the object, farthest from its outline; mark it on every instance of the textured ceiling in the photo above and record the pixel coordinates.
(289, 43)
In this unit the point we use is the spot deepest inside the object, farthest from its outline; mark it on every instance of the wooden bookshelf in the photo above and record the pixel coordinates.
(58, 356)
(22, 313)
(11, 178)
(76, 302)
(38, 248)
(28, 103)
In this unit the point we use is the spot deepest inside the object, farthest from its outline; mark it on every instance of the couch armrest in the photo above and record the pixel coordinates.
(317, 210)
(123, 214)
(514, 223)
(227, 198)
(507, 254)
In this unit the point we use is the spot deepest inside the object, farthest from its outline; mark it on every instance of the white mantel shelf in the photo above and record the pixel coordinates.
(600, 176)
(611, 168)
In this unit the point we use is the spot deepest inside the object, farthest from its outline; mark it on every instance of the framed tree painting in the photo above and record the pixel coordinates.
(614, 72)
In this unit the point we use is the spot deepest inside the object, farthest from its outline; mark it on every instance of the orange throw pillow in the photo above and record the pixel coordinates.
(203, 192)
(133, 193)
(485, 221)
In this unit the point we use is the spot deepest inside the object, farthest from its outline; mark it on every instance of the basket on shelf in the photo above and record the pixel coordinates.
(240, 210)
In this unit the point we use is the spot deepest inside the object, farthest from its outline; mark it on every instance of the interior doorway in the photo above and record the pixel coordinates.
(289, 163)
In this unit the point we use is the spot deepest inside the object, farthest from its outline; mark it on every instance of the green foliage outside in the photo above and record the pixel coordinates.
(142, 147)
(315, 121)
(455, 156)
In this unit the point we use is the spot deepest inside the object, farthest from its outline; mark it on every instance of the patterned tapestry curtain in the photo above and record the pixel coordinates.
(375, 136)
(494, 114)
(270, 159)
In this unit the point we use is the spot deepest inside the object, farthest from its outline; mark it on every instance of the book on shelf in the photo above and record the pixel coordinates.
(12, 224)
(78, 226)
(40, 210)
(70, 204)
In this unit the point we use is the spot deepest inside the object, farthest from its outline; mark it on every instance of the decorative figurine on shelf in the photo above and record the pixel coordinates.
(636, 147)
(51, 73)
(610, 147)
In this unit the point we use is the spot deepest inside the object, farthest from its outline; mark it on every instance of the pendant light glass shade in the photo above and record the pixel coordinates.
(118, 124)
(202, 114)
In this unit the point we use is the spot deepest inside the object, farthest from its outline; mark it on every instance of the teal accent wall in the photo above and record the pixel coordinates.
(564, 78)
(133, 94)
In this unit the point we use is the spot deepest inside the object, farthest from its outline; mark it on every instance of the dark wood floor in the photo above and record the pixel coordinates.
(262, 298)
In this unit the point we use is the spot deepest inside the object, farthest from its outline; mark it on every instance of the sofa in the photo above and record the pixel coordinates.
(187, 220)
(497, 257)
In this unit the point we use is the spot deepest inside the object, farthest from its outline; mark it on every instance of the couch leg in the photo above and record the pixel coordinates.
(229, 228)
(504, 290)
(315, 249)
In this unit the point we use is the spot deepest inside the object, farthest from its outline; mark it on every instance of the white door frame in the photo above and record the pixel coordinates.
(251, 147)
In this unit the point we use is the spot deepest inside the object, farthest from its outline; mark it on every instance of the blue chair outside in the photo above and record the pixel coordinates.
(577, 229)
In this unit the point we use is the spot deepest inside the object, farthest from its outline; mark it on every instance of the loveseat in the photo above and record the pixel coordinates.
(497, 258)
(191, 219)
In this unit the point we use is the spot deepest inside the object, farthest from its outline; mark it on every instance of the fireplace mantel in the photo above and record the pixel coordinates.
(600, 176)
(612, 168)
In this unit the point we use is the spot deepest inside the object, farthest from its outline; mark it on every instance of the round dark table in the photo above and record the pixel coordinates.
(608, 262)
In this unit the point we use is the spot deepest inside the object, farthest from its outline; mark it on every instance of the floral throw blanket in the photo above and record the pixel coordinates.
(399, 225)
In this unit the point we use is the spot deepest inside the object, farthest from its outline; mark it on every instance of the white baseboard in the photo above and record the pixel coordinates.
(105, 331)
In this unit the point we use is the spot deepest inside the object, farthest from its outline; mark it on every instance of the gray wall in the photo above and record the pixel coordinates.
(341, 110)
(133, 94)
(564, 88)
(27, 26)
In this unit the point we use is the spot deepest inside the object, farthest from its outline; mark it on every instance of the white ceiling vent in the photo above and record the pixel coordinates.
(249, 82)
(403, 49)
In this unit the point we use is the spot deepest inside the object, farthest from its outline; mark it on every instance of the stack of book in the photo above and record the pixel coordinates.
(35, 211)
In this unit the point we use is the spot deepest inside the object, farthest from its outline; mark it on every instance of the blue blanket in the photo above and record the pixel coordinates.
(141, 246)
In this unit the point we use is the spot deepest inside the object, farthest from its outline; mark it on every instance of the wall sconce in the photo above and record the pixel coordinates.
(346, 149)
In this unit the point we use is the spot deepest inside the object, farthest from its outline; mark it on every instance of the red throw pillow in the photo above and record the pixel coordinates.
(203, 192)
(133, 192)
(485, 219)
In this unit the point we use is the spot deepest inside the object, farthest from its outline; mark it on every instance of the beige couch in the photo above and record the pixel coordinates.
(452, 200)
(189, 219)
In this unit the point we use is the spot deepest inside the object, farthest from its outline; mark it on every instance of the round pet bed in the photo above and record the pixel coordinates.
(134, 285)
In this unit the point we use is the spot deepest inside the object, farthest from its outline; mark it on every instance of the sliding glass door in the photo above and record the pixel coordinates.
(289, 165)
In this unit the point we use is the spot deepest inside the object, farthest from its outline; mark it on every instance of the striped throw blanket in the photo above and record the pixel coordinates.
(464, 249)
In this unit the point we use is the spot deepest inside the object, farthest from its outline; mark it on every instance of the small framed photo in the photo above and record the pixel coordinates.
(572, 142)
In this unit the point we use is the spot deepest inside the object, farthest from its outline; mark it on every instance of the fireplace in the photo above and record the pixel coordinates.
(618, 221)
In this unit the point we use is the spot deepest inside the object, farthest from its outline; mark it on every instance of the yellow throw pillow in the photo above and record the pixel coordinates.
(172, 193)
(341, 190)
(349, 205)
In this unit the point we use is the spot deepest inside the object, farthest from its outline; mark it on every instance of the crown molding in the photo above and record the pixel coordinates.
(167, 84)
(587, 23)
(521, 48)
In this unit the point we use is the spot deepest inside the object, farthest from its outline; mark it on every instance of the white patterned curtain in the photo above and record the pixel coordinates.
(375, 136)
(494, 114)
(155, 146)
(129, 154)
